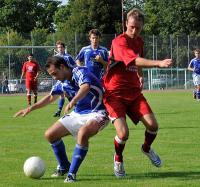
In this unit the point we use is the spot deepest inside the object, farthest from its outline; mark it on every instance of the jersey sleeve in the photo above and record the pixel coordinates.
(80, 56)
(57, 89)
(122, 52)
(81, 76)
(191, 64)
(24, 67)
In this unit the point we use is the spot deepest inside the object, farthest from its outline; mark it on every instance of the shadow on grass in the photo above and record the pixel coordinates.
(190, 175)
(181, 175)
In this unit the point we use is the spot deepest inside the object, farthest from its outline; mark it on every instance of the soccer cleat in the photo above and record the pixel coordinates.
(70, 178)
(119, 169)
(59, 172)
(57, 114)
(154, 158)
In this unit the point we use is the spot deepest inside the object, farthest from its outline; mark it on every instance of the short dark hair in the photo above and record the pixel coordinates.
(30, 54)
(197, 50)
(95, 32)
(59, 42)
(56, 61)
(136, 13)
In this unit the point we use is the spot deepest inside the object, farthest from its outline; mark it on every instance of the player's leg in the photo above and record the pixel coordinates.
(28, 94)
(61, 102)
(117, 114)
(151, 125)
(54, 136)
(93, 123)
(35, 91)
(198, 92)
(195, 92)
(140, 110)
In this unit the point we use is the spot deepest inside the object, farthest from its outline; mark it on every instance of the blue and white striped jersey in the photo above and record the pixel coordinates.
(88, 54)
(195, 63)
(92, 102)
(68, 59)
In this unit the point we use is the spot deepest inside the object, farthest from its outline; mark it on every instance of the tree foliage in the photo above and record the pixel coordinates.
(24, 15)
(172, 17)
(83, 15)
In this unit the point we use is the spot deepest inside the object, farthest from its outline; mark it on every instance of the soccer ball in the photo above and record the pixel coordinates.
(34, 167)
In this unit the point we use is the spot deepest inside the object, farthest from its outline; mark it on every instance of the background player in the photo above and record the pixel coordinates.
(94, 56)
(60, 49)
(194, 66)
(87, 118)
(123, 90)
(31, 70)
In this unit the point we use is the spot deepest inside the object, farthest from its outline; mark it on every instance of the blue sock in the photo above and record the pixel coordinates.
(78, 156)
(60, 153)
(61, 103)
(198, 94)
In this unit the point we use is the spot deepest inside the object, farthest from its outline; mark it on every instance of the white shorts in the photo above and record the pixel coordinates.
(196, 79)
(74, 121)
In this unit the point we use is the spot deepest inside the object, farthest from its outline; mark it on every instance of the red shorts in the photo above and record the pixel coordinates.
(118, 107)
(31, 85)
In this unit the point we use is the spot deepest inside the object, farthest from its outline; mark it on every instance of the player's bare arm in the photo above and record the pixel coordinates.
(142, 62)
(79, 63)
(190, 69)
(43, 102)
(83, 91)
(22, 76)
(98, 58)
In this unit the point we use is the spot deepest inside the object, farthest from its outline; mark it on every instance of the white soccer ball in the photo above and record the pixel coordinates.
(34, 167)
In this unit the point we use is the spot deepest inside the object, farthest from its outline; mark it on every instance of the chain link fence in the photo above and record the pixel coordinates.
(180, 48)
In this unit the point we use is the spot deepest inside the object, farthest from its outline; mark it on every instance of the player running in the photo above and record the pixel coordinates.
(31, 70)
(88, 117)
(194, 66)
(123, 90)
(94, 56)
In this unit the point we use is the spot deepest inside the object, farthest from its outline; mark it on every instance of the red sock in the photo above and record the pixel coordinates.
(35, 98)
(119, 147)
(149, 138)
(29, 99)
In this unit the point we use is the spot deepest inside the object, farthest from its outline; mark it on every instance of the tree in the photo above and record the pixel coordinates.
(172, 17)
(24, 15)
(83, 15)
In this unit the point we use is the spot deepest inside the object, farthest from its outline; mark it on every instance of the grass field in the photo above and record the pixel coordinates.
(178, 144)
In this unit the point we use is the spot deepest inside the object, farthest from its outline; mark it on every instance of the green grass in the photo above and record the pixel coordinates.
(177, 144)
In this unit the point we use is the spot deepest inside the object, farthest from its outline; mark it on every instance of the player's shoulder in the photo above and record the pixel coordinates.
(103, 48)
(85, 48)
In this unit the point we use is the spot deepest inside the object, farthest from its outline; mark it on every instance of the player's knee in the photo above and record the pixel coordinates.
(83, 135)
(49, 136)
(123, 135)
(153, 127)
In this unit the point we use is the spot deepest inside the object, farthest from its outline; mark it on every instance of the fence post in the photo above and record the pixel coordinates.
(8, 38)
(188, 49)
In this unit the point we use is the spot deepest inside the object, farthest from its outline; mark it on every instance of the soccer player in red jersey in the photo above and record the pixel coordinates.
(123, 90)
(31, 70)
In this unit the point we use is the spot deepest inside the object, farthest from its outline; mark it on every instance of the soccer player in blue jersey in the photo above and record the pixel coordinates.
(93, 56)
(87, 118)
(60, 49)
(194, 66)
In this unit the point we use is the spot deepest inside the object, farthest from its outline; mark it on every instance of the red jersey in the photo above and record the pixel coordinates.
(31, 69)
(124, 74)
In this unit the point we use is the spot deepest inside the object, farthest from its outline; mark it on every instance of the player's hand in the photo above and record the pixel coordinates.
(20, 81)
(22, 112)
(141, 82)
(165, 63)
(69, 106)
(98, 58)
